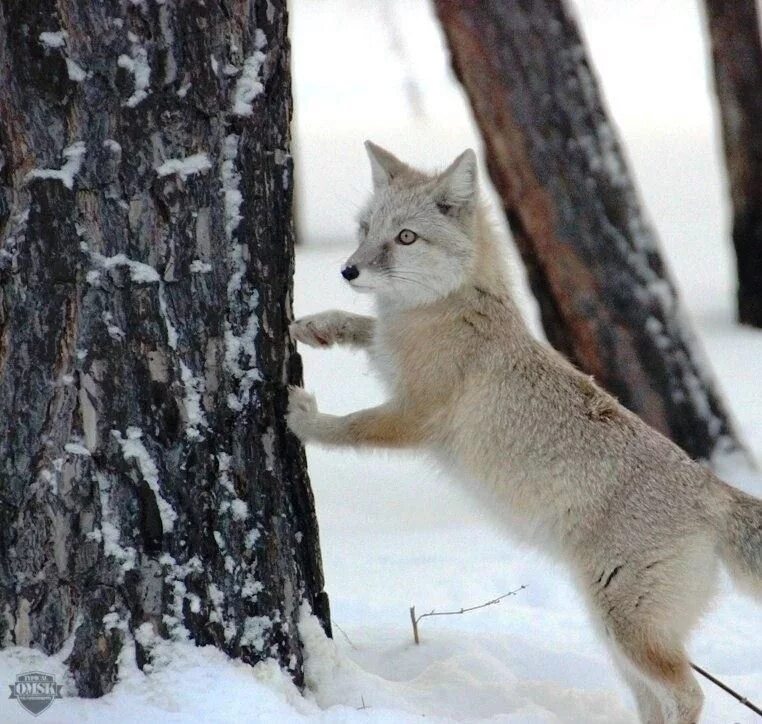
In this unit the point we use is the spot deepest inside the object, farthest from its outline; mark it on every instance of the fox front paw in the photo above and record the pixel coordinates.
(302, 416)
(317, 330)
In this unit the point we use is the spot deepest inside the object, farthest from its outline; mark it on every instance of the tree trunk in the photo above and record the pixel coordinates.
(148, 484)
(605, 298)
(734, 32)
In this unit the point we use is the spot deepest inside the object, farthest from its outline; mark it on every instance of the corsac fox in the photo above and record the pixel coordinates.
(560, 462)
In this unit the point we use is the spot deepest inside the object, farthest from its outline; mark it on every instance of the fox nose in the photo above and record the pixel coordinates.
(350, 272)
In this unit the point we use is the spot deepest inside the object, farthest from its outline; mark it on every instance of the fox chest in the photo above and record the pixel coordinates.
(385, 364)
(411, 364)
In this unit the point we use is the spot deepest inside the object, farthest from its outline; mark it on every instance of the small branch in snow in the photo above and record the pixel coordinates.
(415, 619)
(344, 634)
(717, 682)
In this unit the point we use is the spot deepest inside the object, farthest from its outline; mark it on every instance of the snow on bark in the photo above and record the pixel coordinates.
(139, 272)
(55, 39)
(194, 413)
(76, 448)
(230, 185)
(249, 84)
(200, 267)
(134, 449)
(184, 167)
(76, 73)
(74, 155)
(137, 65)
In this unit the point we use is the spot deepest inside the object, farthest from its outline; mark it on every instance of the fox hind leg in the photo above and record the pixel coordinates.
(648, 604)
(648, 703)
(660, 676)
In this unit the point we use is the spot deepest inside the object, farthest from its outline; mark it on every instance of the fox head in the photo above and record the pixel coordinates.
(416, 232)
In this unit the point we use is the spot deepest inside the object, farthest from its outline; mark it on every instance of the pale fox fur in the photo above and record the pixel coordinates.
(558, 461)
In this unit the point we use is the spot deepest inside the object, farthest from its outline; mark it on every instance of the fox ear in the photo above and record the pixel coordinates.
(383, 165)
(458, 182)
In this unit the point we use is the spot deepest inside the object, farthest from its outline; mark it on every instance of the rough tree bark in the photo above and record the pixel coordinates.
(148, 485)
(605, 297)
(734, 33)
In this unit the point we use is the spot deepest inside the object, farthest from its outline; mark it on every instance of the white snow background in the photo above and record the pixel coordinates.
(395, 531)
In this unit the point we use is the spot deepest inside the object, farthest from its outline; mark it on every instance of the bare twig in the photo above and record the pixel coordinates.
(344, 634)
(726, 688)
(415, 619)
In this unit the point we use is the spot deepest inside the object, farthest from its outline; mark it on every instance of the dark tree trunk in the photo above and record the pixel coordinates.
(605, 297)
(147, 480)
(734, 33)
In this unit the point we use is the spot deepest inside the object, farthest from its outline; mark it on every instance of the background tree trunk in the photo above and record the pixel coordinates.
(148, 485)
(605, 298)
(734, 33)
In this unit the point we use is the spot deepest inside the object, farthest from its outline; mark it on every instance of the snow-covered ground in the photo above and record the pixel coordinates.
(395, 530)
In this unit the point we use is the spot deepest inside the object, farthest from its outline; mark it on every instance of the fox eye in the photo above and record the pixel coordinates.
(406, 237)
(364, 228)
